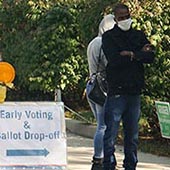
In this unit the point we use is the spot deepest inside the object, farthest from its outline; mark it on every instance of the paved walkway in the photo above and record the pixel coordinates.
(80, 151)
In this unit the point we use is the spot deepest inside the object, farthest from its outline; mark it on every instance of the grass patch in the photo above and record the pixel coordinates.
(83, 115)
(153, 146)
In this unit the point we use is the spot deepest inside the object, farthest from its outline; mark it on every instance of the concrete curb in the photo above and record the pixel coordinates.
(80, 128)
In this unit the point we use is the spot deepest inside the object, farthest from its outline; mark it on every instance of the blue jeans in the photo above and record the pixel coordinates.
(127, 109)
(98, 112)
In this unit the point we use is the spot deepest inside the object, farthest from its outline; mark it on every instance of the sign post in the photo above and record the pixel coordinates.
(163, 112)
(32, 135)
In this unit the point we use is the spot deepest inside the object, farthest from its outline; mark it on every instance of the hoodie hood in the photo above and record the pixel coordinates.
(106, 24)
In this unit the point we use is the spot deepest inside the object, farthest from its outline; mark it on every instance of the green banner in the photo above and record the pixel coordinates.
(163, 112)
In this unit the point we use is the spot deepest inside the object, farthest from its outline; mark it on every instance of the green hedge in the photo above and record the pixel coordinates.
(46, 42)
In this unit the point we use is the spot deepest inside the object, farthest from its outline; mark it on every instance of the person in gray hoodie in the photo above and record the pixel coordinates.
(93, 51)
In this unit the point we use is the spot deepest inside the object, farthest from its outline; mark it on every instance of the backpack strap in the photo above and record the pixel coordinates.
(99, 60)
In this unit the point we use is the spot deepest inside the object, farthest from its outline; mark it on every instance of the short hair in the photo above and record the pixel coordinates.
(120, 6)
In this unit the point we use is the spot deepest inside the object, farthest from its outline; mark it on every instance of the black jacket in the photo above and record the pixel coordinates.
(125, 76)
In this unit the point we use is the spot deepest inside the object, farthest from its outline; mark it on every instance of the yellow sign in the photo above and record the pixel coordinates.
(7, 75)
(7, 72)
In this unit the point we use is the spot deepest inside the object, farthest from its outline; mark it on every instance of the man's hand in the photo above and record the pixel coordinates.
(128, 54)
(147, 48)
(125, 53)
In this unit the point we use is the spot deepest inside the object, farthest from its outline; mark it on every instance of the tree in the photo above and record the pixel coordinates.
(43, 40)
(46, 42)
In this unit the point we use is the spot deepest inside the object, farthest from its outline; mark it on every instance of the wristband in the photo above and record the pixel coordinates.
(131, 55)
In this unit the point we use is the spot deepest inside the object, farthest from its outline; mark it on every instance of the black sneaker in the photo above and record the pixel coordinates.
(97, 164)
(112, 168)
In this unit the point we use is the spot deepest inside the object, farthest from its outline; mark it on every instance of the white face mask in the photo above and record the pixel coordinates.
(125, 24)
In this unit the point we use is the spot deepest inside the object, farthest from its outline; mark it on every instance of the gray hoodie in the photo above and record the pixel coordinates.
(94, 46)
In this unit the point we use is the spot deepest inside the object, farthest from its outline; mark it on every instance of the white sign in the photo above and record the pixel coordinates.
(32, 134)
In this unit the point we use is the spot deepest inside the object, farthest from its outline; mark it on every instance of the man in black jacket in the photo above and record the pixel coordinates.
(126, 50)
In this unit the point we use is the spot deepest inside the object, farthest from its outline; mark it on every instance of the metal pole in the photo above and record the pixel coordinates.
(83, 118)
(0, 56)
(57, 98)
(57, 95)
